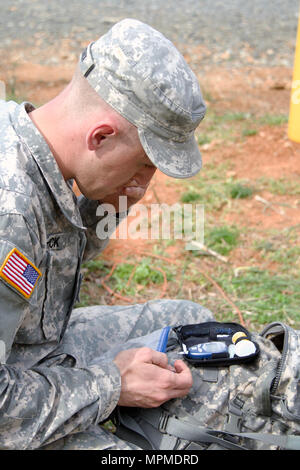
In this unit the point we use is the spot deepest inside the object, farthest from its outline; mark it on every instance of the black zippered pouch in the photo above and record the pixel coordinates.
(211, 344)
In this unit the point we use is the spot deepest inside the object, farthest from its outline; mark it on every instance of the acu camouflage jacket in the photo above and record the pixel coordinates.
(48, 231)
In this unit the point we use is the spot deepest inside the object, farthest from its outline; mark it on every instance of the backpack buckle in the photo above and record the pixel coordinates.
(163, 422)
(235, 415)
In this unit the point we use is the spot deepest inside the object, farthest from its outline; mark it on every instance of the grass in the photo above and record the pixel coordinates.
(127, 276)
(210, 189)
(280, 186)
(240, 191)
(215, 190)
(12, 93)
(264, 292)
(190, 196)
(127, 279)
(282, 248)
(235, 125)
(273, 120)
(249, 132)
(222, 239)
(264, 296)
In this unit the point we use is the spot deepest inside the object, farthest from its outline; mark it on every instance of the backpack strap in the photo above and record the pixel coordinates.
(131, 427)
(165, 423)
(286, 442)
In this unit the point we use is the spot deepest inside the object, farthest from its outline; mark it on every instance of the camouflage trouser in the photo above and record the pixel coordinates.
(91, 333)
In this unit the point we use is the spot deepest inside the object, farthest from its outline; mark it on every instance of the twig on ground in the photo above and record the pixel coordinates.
(269, 205)
(119, 296)
(163, 258)
(211, 252)
(165, 285)
(131, 276)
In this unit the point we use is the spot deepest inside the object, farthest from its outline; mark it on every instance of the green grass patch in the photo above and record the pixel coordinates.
(208, 188)
(234, 125)
(143, 274)
(261, 296)
(264, 297)
(203, 139)
(127, 276)
(280, 186)
(12, 94)
(213, 189)
(273, 120)
(220, 126)
(95, 266)
(222, 239)
(282, 248)
(240, 191)
(249, 132)
(190, 196)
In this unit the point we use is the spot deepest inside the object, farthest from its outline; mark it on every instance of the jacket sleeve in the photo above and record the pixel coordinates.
(41, 404)
(100, 225)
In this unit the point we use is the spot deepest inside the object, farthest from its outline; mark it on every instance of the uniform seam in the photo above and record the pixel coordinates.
(5, 188)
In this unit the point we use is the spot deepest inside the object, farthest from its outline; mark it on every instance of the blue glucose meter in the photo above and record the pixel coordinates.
(206, 350)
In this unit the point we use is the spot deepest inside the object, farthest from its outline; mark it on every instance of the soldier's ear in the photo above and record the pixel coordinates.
(97, 134)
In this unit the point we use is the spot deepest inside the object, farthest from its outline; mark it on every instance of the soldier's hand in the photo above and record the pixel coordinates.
(148, 380)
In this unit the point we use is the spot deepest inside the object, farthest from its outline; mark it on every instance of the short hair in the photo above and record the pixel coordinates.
(82, 96)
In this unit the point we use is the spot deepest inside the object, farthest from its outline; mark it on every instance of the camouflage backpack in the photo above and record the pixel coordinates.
(241, 405)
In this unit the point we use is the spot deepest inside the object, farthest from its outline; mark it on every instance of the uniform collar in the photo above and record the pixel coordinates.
(38, 148)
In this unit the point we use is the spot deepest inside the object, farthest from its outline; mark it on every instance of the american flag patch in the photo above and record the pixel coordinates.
(19, 272)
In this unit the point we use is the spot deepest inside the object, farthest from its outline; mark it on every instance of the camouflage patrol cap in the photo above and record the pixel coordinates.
(141, 75)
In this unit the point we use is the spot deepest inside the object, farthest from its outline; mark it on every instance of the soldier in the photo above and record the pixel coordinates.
(131, 107)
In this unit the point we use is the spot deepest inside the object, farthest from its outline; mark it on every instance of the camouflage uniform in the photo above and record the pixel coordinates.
(56, 382)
